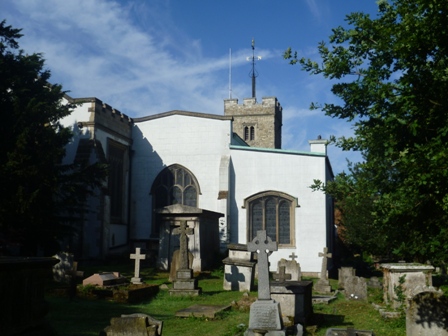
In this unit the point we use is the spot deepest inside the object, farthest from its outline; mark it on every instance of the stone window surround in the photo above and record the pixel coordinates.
(293, 204)
(249, 131)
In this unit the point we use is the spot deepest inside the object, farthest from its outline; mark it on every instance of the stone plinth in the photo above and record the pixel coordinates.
(295, 299)
(133, 324)
(185, 284)
(322, 286)
(265, 315)
(414, 275)
(238, 269)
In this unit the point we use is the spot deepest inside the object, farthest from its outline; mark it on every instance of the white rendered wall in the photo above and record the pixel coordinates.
(257, 171)
(196, 143)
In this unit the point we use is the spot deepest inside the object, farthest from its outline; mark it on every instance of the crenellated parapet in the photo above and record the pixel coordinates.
(259, 124)
(102, 116)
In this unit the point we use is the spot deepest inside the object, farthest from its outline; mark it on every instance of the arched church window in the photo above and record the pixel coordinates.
(274, 212)
(175, 185)
(246, 133)
(252, 133)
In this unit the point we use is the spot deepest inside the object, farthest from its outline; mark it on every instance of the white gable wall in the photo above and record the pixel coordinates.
(196, 143)
(292, 173)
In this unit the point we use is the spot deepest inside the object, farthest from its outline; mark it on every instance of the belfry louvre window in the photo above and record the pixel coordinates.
(246, 133)
(273, 212)
(252, 133)
(175, 185)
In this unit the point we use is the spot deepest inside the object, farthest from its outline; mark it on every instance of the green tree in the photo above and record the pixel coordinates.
(38, 195)
(391, 76)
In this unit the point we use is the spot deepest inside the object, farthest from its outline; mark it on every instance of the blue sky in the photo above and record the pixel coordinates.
(144, 57)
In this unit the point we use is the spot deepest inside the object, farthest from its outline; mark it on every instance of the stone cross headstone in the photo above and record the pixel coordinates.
(281, 276)
(293, 256)
(323, 285)
(183, 230)
(184, 284)
(325, 255)
(265, 317)
(262, 245)
(137, 257)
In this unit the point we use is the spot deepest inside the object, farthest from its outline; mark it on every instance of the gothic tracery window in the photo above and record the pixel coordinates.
(175, 185)
(273, 212)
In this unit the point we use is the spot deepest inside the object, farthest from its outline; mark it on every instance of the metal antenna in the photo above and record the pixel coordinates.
(230, 73)
(253, 73)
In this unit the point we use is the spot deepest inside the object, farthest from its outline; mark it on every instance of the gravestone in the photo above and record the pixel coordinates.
(265, 317)
(175, 264)
(291, 267)
(426, 313)
(344, 273)
(323, 285)
(137, 257)
(61, 271)
(184, 284)
(133, 325)
(374, 282)
(355, 288)
(105, 279)
(238, 269)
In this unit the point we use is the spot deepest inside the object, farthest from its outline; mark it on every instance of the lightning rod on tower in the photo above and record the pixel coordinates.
(253, 73)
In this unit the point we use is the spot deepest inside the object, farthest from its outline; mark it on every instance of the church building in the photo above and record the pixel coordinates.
(225, 175)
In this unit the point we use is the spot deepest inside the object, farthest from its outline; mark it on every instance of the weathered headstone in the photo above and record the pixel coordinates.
(291, 267)
(426, 313)
(133, 325)
(265, 316)
(61, 271)
(175, 264)
(344, 273)
(355, 288)
(323, 285)
(184, 284)
(137, 256)
(374, 282)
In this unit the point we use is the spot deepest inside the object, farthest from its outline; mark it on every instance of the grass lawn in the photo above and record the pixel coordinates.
(89, 316)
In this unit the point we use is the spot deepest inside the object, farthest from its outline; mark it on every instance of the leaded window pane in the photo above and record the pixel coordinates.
(179, 177)
(284, 222)
(190, 196)
(177, 195)
(257, 218)
(187, 179)
(271, 218)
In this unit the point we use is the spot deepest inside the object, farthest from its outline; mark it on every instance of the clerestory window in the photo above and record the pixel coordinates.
(274, 212)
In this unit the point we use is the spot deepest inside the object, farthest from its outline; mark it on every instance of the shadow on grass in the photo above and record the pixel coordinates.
(325, 321)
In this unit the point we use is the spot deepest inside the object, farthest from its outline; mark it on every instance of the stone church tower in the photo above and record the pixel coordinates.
(260, 125)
